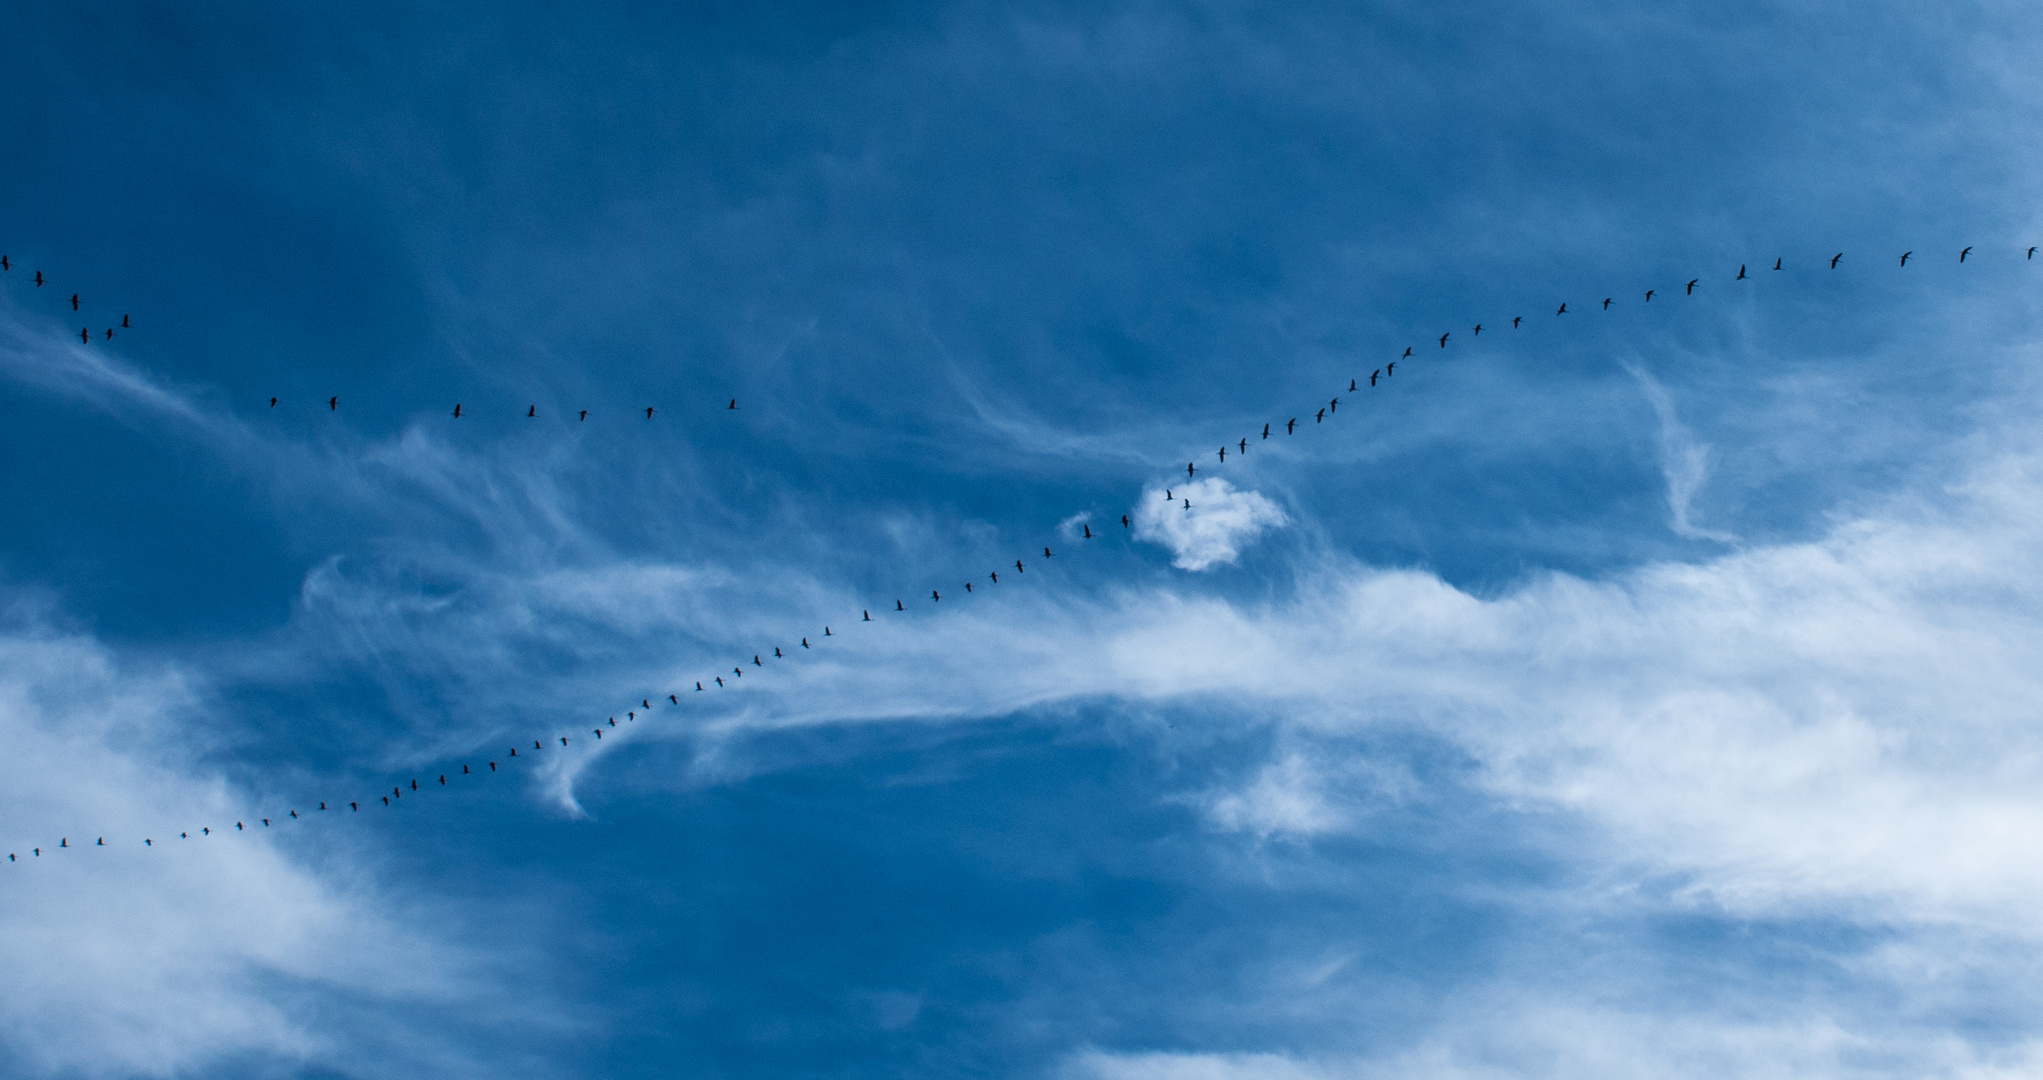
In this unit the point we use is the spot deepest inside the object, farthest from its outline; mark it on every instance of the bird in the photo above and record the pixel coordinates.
(1443, 341)
(109, 333)
(719, 680)
(333, 403)
(1606, 303)
(598, 731)
(1190, 469)
(1244, 442)
(1223, 455)
(968, 586)
(1649, 295)
(533, 411)
(1692, 283)
(698, 688)
(1741, 273)
(898, 607)
(124, 323)
(1351, 386)
(39, 279)
(74, 301)
(457, 410)
(776, 650)
(1408, 352)
(826, 633)
(649, 412)
(1373, 375)
(464, 772)
(868, 617)
(755, 661)
(1046, 553)
(2032, 253)
(273, 403)
(1776, 264)
(995, 576)
(1563, 310)
(1266, 427)
(1088, 530)
(1478, 332)
(443, 779)
(85, 335)
(1290, 426)
(1188, 504)
(585, 415)
(1334, 405)
(563, 740)
(1320, 417)
(1515, 320)
(1904, 257)
(1124, 521)
(1834, 258)
(4, 264)
(1390, 369)
(934, 595)
(1167, 496)
(1018, 567)
(732, 405)
(1962, 254)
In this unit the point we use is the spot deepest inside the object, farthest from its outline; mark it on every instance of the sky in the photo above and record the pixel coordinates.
(1649, 689)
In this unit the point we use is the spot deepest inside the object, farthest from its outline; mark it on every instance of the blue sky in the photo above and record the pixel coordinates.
(1641, 691)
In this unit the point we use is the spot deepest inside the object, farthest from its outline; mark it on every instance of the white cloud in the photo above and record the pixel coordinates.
(1213, 529)
(1684, 460)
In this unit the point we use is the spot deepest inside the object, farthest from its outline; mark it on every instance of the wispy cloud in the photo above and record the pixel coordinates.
(1684, 461)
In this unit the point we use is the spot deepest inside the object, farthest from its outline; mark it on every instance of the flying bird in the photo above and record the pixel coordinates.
(4, 264)
(2032, 253)
(968, 586)
(1351, 386)
(1290, 426)
(1477, 333)
(457, 410)
(776, 650)
(1962, 254)
(995, 576)
(1088, 531)
(1741, 273)
(733, 405)
(1223, 455)
(109, 333)
(74, 301)
(1904, 257)
(1443, 341)
(124, 323)
(1649, 296)
(85, 335)
(1124, 521)
(1692, 283)
(934, 595)
(1776, 264)
(1046, 553)
(1334, 405)
(533, 411)
(39, 279)
(1834, 258)
(1390, 369)
(805, 644)
(1018, 567)
(1515, 320)
(1563, 310)
(898, 607)
(1320, 417)
(585, 415)
(273, 403)
(1408, 352)
(1606, 303)
(333, 403)
(649, 412)
(1244, 446)
(1266, 427)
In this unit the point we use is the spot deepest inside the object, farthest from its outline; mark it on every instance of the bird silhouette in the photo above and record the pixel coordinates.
(1408, 352)
(1244, 442)
(1088, 531)
(1290, 426)
(1390, 369)
(532, 412)
(935, 596)
(1320, 417)
(649, 412)
(898, 607)
(39, 279)
(85, 335)
(1351, 386)
(333, 403)
(1962, 254)
(1443, 341)
(1776, 264)
(1904, 257)
(1477, 332)
(1692, 283)
(733, 405)
(124, 323)
(1606, 303)
(1124, 521)
(585, 415)
(1223, 455)
(1741, 273)
(273, 403)
(1563, 309)
(968, 586)
(1373, 375)
(1188, 504)
(1167, 496)
(720, 678)
(1834, 258)
(1515, 320)
(995, 576)
(776, 651)
(1334, 405)
(4, 264)
(826, 633)
(109, 333)
(457, 410)
(1046, 553)
(1018, 567)
(74, 301)
(1649, 296)
(2032, 253)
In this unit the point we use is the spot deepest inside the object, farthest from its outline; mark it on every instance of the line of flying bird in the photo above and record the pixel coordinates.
(716, 680)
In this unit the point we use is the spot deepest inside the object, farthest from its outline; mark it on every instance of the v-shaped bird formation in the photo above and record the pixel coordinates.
(487, 766)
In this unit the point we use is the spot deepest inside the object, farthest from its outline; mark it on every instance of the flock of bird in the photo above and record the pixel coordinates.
(485, 767)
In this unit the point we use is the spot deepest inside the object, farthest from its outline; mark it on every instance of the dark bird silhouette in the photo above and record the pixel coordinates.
(532, 412)
(1266, 427)
(1390, 369)
(333, 403)
(1606, 303)
(733, 404)
(1408, 352)
(443, 779)
(1290, 426)
(968, 586)
(273, 403)
(1904, 257)
(598, 731)
(1244, 446)
(1320, 417)
(85, 335)
(1373, 375)
(698, 686)
(1223, 455)
(1334, 405)
(1649, 295)
(39, 279)
(1962, 254)
(4, 264)
(1741, 273)
(1167, 496)
(755, 661)
(457, 410)
(1088, 531)
(826, 632)
(1018, 567)
(1834, 258)
(868, 615)
(1692, 283)
(1515, 320)
(776, 649)
(563, 740)
(1563, 309)
(1046, 553)
(109, 333)
(1477, 332)
(935, 596)
(719, 680)
(74, 301)
(649, 412)
(1351, 386)
(1188, 504)
(2032, 253)
(898, 607)
(585, 415)
(535, 746)
(1124, 521)
(1443, 341)
(1776, 264)
(996, 577)
(124, 323)
(1190, 469)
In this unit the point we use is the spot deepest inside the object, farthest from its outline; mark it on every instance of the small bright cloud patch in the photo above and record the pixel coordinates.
(1204, 523)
